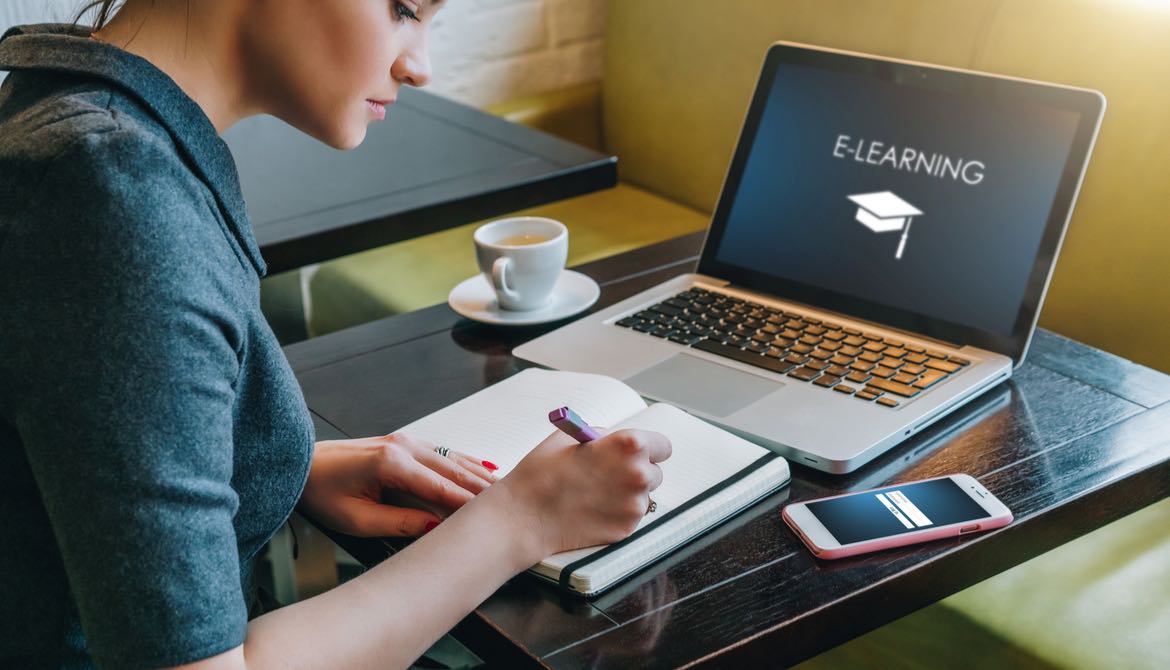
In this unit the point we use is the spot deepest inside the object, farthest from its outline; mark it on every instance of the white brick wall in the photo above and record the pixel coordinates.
(482, 51)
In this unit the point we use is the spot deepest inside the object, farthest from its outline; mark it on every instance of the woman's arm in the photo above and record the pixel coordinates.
(562, 496)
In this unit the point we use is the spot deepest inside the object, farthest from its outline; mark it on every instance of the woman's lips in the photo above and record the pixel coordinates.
(378, 107)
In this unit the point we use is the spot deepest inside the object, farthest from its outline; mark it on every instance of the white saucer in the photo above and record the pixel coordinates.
(475, 299)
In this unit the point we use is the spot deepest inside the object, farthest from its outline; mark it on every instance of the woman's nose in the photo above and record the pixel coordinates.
(413, 68)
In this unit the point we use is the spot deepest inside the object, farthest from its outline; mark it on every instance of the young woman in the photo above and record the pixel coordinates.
(152, 436)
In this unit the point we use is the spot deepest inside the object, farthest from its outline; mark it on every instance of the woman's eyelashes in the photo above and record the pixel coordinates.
(403, 13)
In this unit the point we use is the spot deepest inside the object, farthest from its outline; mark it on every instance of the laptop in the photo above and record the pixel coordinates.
(877, 258)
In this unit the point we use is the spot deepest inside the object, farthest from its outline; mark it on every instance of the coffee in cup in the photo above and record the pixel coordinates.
(522, 257)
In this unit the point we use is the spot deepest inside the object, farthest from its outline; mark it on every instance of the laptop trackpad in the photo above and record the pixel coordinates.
(694, 383)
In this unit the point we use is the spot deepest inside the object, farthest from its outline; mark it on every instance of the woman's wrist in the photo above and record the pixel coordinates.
(516, 524)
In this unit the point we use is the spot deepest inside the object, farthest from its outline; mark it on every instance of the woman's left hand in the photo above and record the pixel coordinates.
(348, 477)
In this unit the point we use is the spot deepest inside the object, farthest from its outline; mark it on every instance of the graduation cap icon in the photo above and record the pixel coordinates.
(884, 212)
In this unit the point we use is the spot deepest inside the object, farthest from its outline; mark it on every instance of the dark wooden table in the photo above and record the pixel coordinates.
(431, 165)
(1076, 439)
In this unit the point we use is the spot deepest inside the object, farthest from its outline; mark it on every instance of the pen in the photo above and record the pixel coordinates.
(570, 423)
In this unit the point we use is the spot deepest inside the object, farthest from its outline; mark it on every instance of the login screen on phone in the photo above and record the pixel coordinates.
(896, 509)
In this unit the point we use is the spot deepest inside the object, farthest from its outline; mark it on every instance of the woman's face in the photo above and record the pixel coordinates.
(327, 66)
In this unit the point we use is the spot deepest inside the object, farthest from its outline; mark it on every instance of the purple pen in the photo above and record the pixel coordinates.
(568, 422)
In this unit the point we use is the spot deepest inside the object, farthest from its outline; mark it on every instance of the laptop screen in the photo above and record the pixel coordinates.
(913, 196)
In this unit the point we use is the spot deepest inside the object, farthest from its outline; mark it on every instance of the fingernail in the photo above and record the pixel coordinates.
(430, 526)
(490, 466)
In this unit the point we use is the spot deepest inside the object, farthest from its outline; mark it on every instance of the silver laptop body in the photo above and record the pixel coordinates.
(835, 425)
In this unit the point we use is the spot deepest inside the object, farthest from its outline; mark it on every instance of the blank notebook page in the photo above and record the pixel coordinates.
(505, 421)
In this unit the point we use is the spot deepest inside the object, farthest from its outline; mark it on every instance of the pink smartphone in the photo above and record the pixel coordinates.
(894, 516)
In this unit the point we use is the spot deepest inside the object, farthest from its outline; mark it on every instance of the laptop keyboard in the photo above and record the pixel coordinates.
(864, 365)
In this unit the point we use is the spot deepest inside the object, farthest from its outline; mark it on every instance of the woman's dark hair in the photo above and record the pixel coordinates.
(103, 10)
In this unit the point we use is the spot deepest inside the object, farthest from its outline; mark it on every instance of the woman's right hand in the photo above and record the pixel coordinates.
(568, 495)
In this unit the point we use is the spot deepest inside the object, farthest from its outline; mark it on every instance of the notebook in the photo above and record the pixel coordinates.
(710, 476)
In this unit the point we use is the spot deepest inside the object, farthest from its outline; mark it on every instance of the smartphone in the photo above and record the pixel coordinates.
(894, 516)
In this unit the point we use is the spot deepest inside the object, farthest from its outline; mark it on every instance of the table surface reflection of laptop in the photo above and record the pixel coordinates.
(877, 258)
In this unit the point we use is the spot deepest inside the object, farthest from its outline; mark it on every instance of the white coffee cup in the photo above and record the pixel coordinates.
(522, 257)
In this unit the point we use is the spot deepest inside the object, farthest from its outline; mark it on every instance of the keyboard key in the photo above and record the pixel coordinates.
(815, 330)
(775, 352)
(801, 348)
(861, 366)
(945, 366)
(850, 350)
(854, 340)
(895, 352)
(865, 395)
(904, 378)
(835, 335)
(887, 401)
(762, 337)
(663, 331)
(629, 322)
(676, 302)
(913, 369)
(894, 387)
(916, 358)
(804, 374)
(870, 357)
(828, 381)
(935, 354)
(790, 334)
(743, 356)
(882, 371)
(796, 324)
(894, 363)
(666, 309)
(810, 339)
(838, 370)
(915, 348)
(645, 327)
(841, 360)
(892, 343)
(873, 346)
(960, 361)
(816, 365)
(844, 388)
(830, 325)
(852, 331)
(809, 319)
(821, 355)
(872, 337)
(685, 338)
(929, 378)
(829, 345)
(758, 347)
(795, 359)
(783, 342)
(857, 377)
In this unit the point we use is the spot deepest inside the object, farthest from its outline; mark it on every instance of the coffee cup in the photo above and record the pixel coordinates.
(522, 257)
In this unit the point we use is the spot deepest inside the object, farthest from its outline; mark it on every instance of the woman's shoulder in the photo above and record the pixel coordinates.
(88, 122)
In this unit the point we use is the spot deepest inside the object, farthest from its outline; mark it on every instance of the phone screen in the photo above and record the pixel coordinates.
(896, 509)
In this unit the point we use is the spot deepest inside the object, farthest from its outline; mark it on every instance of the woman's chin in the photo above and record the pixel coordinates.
(346, 137)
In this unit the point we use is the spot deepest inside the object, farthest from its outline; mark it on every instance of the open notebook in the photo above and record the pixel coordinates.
(711, 474)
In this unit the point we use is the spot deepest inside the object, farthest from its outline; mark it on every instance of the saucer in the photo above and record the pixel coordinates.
(475, 299)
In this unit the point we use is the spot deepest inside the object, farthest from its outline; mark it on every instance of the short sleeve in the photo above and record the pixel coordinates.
(121, 348)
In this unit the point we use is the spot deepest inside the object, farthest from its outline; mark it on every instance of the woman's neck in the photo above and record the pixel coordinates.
(195, 48)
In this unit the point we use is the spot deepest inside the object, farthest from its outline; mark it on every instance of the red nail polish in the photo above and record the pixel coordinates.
(490, 466)
(430, 526)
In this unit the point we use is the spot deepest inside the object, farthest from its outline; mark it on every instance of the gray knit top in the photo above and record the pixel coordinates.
(152, 435)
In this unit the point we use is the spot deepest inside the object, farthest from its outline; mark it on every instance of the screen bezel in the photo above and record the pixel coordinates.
(823, 539)
(1088, 104)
